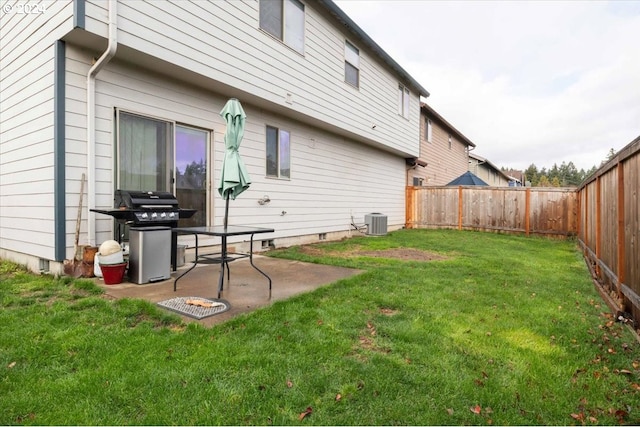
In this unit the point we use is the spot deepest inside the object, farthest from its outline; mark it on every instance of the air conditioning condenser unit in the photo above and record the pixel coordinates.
(376, 224)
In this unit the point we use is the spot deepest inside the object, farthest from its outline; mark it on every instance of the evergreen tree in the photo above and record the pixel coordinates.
(543, 181)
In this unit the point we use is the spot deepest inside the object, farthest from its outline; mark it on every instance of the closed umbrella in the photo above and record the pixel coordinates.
(234, 178)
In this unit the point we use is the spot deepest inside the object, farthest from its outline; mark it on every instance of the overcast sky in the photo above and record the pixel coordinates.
(528, 82)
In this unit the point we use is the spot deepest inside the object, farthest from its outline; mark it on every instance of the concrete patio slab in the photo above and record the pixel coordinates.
(246, 291)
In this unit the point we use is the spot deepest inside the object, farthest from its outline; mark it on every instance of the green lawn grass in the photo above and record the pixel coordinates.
(502, 330)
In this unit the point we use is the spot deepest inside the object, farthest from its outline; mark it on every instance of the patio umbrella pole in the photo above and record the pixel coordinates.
(226, 211)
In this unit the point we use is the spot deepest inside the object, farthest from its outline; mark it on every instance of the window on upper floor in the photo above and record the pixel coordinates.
(278, 160)
(351, 64)
(284, 19)
(449, 142)
(403, 101)
(428, 129)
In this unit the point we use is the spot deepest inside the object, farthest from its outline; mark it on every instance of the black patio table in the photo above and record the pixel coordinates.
(223, 257)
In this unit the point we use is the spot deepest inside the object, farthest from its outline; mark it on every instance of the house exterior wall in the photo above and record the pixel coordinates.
(332, 178)
(488, 173)
(445, 163)
(27, 126)
(222, 41)
(180, 61)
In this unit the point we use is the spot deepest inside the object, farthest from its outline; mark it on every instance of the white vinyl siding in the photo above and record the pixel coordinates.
(325, 191)
(221, 43)
(27, 130)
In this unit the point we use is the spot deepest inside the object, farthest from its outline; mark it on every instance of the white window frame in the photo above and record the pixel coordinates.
(283, 156)
(404, 100)
(429, 133)
(351, 59)
(291, 23)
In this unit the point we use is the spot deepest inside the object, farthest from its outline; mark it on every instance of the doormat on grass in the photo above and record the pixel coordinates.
(195, 307)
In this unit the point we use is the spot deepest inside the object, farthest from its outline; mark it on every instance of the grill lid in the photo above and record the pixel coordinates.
(131, 199)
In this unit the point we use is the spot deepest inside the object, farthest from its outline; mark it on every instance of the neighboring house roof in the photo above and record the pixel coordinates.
(483, 161)
(359, 33)
(468, 178)
(434, 114)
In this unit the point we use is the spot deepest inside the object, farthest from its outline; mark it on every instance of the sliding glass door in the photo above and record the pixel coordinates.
(191, 175)
(158, 155)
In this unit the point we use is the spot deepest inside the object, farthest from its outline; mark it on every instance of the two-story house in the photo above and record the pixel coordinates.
(488, 172)
(444, 151)
(128, 93)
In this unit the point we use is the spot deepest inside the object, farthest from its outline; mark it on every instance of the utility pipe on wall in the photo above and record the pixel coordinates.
(91, 118)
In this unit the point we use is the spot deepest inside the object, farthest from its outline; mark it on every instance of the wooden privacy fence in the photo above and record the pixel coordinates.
(609, 229)
(547, 211)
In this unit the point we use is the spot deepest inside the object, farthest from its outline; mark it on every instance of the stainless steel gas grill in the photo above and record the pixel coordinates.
(146, 209)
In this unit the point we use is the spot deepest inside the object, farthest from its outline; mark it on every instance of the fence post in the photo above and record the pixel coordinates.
(621, 237)
(408, 216)
(460, 207)
(598, 222)
(527, 209)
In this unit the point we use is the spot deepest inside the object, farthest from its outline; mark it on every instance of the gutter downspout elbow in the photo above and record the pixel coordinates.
(91, 119)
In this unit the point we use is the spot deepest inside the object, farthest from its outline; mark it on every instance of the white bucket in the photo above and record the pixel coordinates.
(115, 258)
(96, 266)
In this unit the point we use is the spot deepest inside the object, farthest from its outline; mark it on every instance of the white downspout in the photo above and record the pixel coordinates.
(91, 118)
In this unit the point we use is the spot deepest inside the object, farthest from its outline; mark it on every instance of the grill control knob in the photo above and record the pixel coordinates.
(144, 215)
(154, 215)
(163, 214)
(172, 214)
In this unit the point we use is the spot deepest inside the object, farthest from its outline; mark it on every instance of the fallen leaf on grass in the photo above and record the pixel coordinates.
(579, 417)
(450, 411)
(308, 411)
(289, 384)
(476, 409)
(11, 365)
(338, 397)
(621, 415)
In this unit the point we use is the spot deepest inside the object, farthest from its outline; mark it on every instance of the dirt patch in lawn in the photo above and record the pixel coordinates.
(405, 254)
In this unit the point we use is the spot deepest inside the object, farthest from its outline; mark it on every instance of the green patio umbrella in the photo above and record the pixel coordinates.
(234, 178)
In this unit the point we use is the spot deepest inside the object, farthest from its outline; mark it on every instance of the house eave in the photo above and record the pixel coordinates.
(359, 33)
